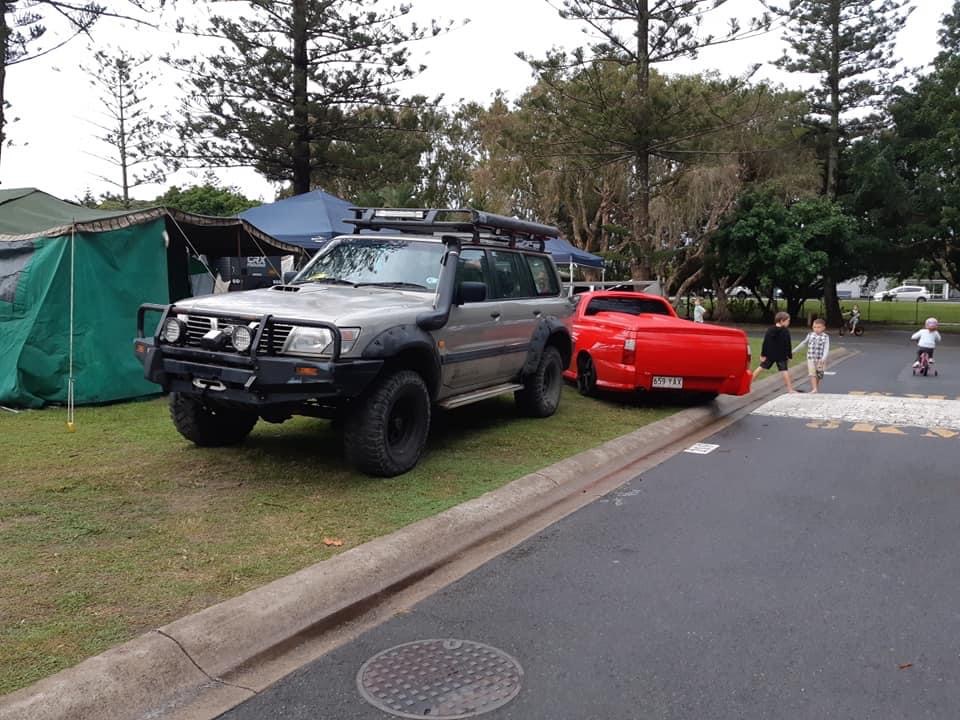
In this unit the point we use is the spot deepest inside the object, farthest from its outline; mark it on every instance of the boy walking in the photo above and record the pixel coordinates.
(777, 348)
(818, 347)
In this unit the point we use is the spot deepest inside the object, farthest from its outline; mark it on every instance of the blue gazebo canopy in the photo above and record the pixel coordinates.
(566, 254)
(307, 220)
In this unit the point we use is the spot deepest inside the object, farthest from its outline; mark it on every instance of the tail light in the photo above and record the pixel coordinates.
(749, 355)
(629, 351)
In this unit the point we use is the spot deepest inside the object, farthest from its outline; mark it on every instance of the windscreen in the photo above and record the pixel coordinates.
(403, 263)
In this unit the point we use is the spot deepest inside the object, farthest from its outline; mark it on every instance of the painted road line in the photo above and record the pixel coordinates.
(862, 393)
(877, 410)
(701, 448)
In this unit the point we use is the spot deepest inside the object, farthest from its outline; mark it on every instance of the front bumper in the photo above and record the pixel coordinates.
(252, 378)
(270, 381)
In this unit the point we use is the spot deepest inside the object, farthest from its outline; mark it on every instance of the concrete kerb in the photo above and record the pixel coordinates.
(140, 677)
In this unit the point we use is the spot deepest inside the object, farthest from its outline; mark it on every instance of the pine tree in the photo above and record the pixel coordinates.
(285, 83)
(131, 127)
(849, 46)
(638, 35)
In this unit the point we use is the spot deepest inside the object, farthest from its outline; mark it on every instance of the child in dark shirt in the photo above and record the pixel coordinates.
(777, 348)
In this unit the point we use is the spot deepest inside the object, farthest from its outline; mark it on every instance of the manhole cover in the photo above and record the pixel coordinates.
(440, 679)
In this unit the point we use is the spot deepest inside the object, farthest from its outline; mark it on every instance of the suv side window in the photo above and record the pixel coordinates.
(472, 266)
(511, 276)
(544, 279)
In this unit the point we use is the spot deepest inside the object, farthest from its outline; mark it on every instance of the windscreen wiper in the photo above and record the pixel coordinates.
(333, 281)
(416, 286)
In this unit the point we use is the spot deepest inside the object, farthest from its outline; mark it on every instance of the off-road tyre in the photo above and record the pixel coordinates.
(540, 396)
(586, 376)
(208, 423)
(384, 435)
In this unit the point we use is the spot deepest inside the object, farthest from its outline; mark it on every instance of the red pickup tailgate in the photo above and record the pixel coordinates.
(690, 356)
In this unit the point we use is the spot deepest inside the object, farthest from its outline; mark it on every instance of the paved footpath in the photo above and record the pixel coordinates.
(806, 567)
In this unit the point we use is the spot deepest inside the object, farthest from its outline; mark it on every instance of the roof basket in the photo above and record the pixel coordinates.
(478, 225)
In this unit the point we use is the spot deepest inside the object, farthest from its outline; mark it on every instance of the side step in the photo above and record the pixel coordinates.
(478, 395)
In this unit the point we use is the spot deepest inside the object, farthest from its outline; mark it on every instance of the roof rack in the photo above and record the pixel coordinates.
(478, 225)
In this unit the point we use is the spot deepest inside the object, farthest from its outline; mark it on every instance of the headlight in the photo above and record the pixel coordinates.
(308, 341)
(241, 338)
(172, 331)
(318, 341)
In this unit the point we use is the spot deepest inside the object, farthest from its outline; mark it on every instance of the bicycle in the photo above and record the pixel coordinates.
(925, 366)
(857, 328)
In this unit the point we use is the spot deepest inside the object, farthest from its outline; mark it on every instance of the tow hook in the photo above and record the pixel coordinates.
(214, 385)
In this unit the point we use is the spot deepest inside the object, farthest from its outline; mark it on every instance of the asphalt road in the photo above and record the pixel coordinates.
(805, 568)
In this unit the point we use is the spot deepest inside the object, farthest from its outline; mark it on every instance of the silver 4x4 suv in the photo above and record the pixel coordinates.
(438, 307)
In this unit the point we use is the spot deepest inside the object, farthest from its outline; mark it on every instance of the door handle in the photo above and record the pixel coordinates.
(537, 313)
(495, 315)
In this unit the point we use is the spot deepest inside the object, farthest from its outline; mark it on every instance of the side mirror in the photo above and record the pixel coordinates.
(471, 292)
(289, 275)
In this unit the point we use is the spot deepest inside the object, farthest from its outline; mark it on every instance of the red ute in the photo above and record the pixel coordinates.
(631, 341)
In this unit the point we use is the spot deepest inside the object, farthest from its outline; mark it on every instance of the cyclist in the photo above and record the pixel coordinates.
(927, 338)
(854, 318)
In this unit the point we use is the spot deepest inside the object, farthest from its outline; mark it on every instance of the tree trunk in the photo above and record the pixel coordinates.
(122, 101)
(640, 267)
(688, 284)
(721, 311)
(301, 118)
(833, 150)
(4, 40)
(831, 302)
(794, 305)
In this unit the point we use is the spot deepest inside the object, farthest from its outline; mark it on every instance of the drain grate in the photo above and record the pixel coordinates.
(440, 679)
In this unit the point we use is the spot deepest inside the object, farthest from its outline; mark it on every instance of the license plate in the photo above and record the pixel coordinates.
(661, 381)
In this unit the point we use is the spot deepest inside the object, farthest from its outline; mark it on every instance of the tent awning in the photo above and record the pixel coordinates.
(27, 214)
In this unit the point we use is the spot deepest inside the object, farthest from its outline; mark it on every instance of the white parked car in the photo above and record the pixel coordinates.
(742, 292)
(904, 293)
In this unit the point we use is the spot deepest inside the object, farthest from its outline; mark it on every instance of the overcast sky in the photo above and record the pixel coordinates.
(53, 137)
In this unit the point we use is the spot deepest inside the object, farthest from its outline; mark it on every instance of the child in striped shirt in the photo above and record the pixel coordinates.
(818, 347)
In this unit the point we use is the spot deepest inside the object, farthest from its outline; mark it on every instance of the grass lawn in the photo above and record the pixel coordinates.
(797, 334)
(885, 313)
(905, 313)
(123, 526)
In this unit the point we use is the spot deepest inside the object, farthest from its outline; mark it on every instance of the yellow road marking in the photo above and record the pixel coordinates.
(934, 432)
(823, 425)
(891, 430)
(941, 432)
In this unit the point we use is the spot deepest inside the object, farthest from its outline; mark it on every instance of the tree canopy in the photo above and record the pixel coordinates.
(284, 91)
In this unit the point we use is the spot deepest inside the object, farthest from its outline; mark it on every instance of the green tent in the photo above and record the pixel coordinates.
(72, 278)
